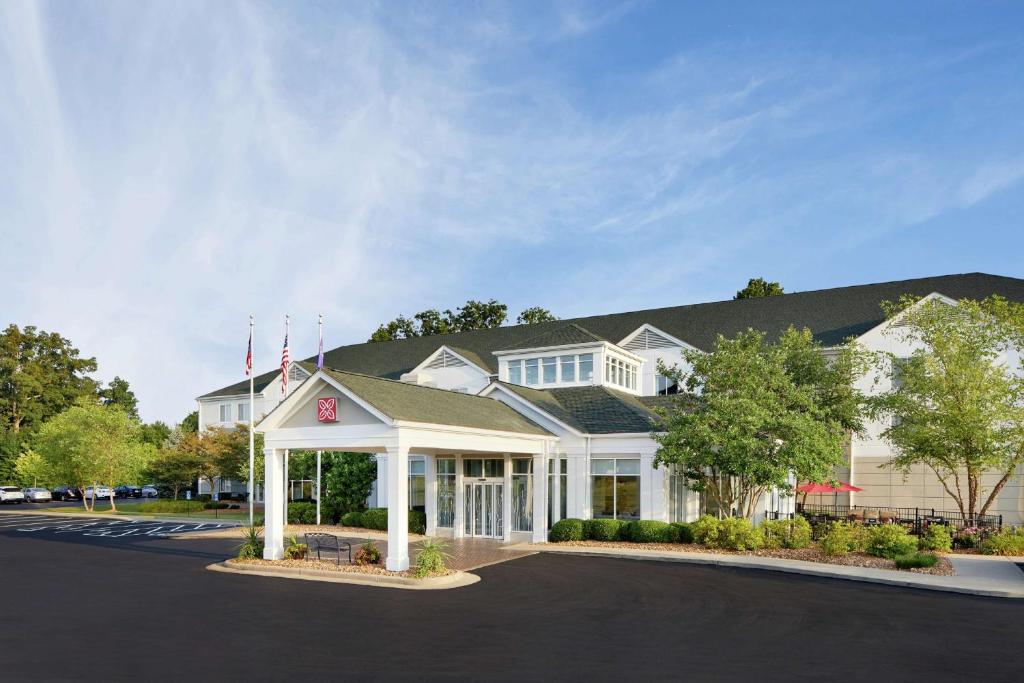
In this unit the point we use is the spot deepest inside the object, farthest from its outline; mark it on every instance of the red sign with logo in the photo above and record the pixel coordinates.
(327, 409)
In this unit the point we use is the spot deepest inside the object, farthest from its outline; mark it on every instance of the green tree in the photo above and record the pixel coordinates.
(535, 314)
(32, 470)
(155, 433)
(175, 468)
(347, 480)
(118, 393)
(756, 413)
(41, 375)
(757, 287)
(956, 405)
(90, 444)
(190, 423)
(474, 315)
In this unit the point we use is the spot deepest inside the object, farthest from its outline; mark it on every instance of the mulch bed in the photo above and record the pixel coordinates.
(812, 554)
(344, 567)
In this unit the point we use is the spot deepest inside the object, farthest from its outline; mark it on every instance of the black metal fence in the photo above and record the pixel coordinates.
(915, 519)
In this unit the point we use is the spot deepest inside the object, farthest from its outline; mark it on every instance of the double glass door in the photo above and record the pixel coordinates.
(484, 505)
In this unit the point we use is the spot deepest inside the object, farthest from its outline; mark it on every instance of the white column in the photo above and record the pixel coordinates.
(459, 523)
(398, 508)
(540, 496)
(656, 508)
(430, 493)
(382, 480)
(646, 480)
(556, 492)
(318, 488)
(273, 521)
(506, 500)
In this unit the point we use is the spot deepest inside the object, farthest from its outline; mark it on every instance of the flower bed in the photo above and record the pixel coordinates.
(326, 565)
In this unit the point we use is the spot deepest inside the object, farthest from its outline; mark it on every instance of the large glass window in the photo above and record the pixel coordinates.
(557, 480)
(665, 386)
(678, 494)
(531, 370)
(615, 488)
(568, 368)
(515, 372)
(586, 367)
(225, 412)
(619, 372)
(550, 366)
(476, 468)
(243, 412)
(522, 494)
(417, 485)
(445, 492)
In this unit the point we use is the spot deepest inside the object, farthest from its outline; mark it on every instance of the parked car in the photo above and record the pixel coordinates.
(66, 493)
(149, 491)
(100, 491)
(124, 491)
(11, 494)
(37, 495)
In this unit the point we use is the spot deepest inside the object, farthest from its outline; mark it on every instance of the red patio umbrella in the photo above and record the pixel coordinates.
(817, 487)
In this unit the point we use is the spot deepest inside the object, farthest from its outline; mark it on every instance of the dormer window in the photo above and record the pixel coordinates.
(620, 373)
(552, 370)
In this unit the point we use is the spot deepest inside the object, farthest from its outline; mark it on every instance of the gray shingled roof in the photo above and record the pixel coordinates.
(414, 403)
(832, 315)
(569, 333)
(594, 409)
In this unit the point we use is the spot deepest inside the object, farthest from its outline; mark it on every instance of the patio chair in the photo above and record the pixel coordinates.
(855, 516)
(887, 516)
(327, 542)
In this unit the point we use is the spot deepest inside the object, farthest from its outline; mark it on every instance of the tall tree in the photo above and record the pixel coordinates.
(758, 287)
(175, 468)
(956, 404)
(41, 374)
(535, 314)
(91, 444)
(347, 481)
(155, 433)
(118, 393)
(190, 423)
(473, 315)
(756, 413)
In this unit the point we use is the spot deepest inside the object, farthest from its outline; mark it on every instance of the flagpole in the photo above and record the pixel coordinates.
(252, 448)
(320, 353)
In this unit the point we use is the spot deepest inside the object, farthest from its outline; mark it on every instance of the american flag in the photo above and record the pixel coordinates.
(248, 356)
(284, 366)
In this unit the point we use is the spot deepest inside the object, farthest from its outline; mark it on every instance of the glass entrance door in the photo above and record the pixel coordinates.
(484, 509)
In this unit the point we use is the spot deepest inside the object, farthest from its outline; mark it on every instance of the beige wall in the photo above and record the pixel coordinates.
(348, 412)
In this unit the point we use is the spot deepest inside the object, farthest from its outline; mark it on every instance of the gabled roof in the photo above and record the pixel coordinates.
(564, 335)
(414, 403)
(832, 315)
(593, 409)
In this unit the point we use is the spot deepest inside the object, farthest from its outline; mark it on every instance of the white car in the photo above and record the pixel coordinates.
(11, 494)
(149, 491)
(37, 495)
(100, 492)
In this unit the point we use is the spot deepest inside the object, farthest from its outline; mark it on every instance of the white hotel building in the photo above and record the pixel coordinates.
(499, 433)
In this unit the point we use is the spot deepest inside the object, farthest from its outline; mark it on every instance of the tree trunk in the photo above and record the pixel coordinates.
(113, 506)
(997, 488)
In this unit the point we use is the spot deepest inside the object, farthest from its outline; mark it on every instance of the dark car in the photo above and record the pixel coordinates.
(128, 491)
(67, 493)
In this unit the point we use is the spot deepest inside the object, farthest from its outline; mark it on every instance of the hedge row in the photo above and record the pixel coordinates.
(377, 518)
(640, 531)
(730, 534)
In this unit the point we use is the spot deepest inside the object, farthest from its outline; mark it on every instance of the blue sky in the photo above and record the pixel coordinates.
(168, 168)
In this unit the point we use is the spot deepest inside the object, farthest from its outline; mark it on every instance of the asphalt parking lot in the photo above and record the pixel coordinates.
(41, 523)
(542, 617)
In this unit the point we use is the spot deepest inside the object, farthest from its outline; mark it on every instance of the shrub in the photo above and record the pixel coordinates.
(302, 513)
(566, 530)
(432, 558)
(841, 538)
(367, 554)
(737, 533)
(968, 538)
(684, 532)
(705, 530)
(215, 505)
(294, 550)
(171, 506)
(786, 533)
(251, 547)
(936, 537)
(916, 560)
(890, 541)
(650, 531)
(354, 518)
(417, 522)
(376, 518)
(603, 529)
(1006, 541)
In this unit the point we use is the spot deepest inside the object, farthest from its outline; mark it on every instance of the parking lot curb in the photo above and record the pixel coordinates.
(454, 580)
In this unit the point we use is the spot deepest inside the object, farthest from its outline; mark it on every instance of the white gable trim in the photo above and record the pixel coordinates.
(886, 325)
(286, 408)
(440, 352)
(520, 401)
(652, 330)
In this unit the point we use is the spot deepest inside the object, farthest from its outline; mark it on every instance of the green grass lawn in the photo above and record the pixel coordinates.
(133, 509)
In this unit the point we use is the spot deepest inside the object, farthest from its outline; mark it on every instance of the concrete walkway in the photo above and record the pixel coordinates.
(976, 574)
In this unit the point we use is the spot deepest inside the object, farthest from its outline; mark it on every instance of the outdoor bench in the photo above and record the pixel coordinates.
(318, 542)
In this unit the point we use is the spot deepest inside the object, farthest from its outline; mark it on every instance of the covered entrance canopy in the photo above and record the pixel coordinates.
(343, 411)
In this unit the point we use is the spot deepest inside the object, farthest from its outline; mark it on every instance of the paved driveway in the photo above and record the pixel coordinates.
(541, 617)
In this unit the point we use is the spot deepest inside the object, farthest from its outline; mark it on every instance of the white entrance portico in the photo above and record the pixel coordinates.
(340, 411)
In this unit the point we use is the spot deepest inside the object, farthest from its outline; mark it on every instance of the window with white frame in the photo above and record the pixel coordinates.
(564, 369)
(522, 494)
(225, 412)
(445, 492)
(243, 412)
(619, 372)
(417, 485)
(665, 386)
(557, 478)
(615, 488)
